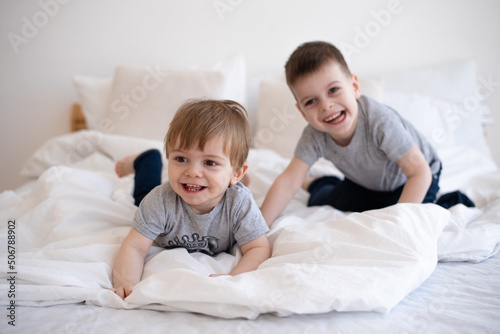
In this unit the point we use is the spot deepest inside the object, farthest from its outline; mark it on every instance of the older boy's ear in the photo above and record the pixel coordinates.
(355, 84)
(301, 111)
(239, 173)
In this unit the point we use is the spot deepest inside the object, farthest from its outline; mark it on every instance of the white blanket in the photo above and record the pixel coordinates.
(72, 220)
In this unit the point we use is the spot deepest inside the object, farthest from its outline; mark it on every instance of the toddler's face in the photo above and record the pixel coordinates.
(201, 177)
(327, 100)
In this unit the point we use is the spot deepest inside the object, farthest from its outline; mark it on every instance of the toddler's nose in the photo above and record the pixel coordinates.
(193, 170)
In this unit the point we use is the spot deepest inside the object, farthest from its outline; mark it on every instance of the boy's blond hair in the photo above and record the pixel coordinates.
(198, 121)
(310, 57)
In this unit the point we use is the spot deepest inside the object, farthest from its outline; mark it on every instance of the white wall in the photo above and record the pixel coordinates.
(94, 36)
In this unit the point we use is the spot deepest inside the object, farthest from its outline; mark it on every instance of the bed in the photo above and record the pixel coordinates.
(408, 268)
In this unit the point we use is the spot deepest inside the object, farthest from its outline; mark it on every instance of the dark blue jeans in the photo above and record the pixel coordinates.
(148, 168)
(346, 195)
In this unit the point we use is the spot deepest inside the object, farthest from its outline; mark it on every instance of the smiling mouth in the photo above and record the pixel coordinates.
(192, 187)
(335, 118)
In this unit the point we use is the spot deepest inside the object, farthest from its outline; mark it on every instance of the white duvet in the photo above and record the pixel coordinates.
(70, 222)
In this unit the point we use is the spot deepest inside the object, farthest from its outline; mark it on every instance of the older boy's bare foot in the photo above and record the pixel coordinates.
(125, 166)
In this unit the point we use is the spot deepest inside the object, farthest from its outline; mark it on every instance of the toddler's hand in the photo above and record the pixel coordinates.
(123, 291)
(217, 275)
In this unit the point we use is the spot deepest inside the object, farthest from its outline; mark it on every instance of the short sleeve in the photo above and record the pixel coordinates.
(249, 223)
(393, 137)
(150, 218)
(306, 149)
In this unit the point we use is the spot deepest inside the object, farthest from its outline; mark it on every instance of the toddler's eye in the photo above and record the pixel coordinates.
(210, 163)
(333, 90)
(180, 159)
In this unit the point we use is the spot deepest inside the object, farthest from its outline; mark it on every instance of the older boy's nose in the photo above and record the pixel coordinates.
(326, 105)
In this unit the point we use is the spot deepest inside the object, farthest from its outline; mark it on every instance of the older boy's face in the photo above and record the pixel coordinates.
(201, 177)
(327, 100)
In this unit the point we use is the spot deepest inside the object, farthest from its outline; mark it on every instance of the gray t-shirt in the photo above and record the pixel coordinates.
(164, 217)
(382, 137)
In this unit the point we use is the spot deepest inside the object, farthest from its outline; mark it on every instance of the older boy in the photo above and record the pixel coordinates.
(203, 206)
(384, 159)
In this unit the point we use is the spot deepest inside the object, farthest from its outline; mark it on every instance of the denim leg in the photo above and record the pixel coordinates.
(456, 197)
(321, 189)
(346, 195)
(447, 200)
(148, 167)
(430, 197)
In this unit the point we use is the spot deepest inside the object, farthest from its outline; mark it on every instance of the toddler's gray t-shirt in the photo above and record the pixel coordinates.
(381, 138)
(164, 217)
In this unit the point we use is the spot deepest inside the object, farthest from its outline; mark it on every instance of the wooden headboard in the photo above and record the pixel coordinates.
(77, 118)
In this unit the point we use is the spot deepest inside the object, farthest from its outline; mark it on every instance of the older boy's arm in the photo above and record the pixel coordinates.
(254, 253)
(283, 189)
(129, 263)
(419, 175)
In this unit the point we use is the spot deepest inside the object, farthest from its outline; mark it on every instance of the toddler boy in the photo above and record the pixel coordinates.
(203, 206)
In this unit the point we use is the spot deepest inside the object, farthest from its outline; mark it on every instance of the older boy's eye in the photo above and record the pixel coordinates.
(309, 102)
(210, 163)
(180, 159)
(333, 90)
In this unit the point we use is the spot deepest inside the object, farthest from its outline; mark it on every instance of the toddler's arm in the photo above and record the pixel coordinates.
(419, 175)
(283, 189)
(254, 253)
(129, 263)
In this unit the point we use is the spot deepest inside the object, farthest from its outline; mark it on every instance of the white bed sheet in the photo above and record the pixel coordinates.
(456, 298)
(72, 220)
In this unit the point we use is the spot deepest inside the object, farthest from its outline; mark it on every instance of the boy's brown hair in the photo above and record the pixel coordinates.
(310, 57)
(198, 121)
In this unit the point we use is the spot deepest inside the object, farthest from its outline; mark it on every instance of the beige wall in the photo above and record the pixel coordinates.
(44, 43)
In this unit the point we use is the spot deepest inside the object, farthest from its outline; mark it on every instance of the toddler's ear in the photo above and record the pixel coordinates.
(239, 173)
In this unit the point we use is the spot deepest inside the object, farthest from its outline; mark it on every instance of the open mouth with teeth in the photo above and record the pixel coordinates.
(192, 187)
(335, 118)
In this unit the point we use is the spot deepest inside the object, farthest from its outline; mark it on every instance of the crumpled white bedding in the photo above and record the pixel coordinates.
(71, 221)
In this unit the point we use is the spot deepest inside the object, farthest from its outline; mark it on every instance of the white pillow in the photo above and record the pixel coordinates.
(93, 95)
(93, 92)
(279, 122)
(142, 102)
(233, 69)
(372, 86)
(430, 115)
(454, 81)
